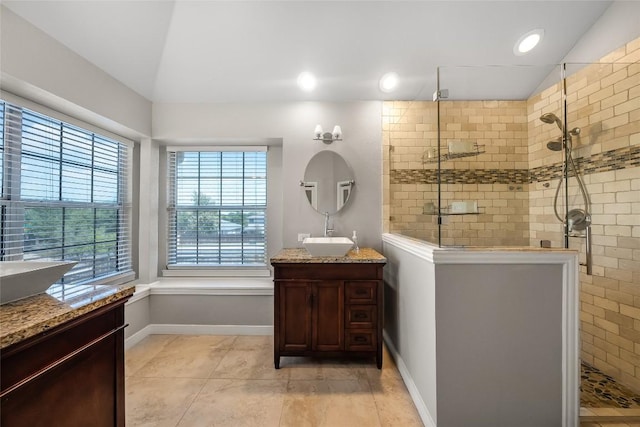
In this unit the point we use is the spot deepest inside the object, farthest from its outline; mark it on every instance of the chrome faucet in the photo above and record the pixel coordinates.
(327, 231)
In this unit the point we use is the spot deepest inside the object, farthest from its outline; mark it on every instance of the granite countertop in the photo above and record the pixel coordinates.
(29, 316)
(301, 256)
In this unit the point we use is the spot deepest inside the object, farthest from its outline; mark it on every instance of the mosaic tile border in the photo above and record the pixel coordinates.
(621, 158)
(599, 390)
(462, 176)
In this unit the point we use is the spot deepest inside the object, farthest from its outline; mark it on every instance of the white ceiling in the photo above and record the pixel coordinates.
(252, 51)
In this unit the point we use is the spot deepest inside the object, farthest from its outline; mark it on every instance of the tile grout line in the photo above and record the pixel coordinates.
(375, 402)
(192, 400)
(204, 384)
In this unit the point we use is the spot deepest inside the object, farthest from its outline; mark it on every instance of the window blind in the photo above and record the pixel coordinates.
(64, 196)
(1, 148)
(217, 208)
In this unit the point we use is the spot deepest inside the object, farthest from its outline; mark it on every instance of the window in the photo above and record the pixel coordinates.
(217, 208)
(63, 196)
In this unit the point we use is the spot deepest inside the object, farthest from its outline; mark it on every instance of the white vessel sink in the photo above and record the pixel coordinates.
(21, 279)
(327, 246)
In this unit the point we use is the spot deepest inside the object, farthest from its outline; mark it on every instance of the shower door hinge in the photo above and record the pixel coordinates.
(440, 94)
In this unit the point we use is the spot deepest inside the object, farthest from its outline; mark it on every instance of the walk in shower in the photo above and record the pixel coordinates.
(554, 163)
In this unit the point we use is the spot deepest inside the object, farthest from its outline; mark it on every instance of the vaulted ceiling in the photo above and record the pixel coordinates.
(252, 51)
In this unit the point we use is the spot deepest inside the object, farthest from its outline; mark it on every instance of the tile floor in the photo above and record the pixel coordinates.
(604, 402)
(187, 380)
(203, 380)
(598, 390)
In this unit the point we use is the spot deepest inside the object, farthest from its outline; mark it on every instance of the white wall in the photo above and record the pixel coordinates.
(37, 67)
(293, 124)
(499, 344)
(618, 25)
(137, 316)
(410, 323)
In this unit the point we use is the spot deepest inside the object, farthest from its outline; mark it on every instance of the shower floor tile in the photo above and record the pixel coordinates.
(598, 390)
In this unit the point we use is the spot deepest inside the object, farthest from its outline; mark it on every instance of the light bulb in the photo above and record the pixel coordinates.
(528, 41)
(337, 132)
(306, 81)
(318, 132)
(389, 82)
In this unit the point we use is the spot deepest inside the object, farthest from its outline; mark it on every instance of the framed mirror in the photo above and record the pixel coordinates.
(328, 182)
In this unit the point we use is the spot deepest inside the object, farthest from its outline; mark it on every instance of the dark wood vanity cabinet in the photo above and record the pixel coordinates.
(71, 375)
(325, 309)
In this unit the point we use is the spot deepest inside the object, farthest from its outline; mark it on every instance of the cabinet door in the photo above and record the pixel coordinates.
(328, 316)
(295, 316)
(79, 392)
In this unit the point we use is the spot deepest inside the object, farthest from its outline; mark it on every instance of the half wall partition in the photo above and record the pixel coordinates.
(479, 169)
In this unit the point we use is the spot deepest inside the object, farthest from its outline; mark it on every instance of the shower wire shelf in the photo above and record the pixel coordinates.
(447, 212)
(479, 149)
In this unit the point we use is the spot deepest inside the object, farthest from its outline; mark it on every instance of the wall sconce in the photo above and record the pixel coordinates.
(327, 137)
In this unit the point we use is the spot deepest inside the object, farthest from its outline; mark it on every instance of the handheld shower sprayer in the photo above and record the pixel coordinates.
(576, 219)
(552, 118)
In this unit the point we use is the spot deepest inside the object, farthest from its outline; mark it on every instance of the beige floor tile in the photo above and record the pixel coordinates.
(374, 374)
(335, 369)
(246, 389)
(237, 403)
(302, 368)
(585, 412)
(140, 354)
(601, 412)
(254, 364)
(394, 404)
(329, 403)
(305, 368)
(159, 402)
(254, 342)
(188, 356)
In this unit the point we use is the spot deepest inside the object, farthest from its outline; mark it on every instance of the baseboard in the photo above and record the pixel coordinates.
(170, 329)
(426, 417)
(137, 337)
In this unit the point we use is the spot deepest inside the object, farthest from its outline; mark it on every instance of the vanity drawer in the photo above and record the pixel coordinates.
(360, 339)
(360, 316)
(361, 292)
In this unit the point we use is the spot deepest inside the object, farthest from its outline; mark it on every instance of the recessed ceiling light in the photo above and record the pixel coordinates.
(307, 81)
(528, 41)
(389, 82)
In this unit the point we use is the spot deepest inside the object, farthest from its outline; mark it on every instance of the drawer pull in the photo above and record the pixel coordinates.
(360, 315)
(360, 338)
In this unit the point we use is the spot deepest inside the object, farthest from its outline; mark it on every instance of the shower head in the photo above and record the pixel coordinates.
(552, 118)
(555, 145)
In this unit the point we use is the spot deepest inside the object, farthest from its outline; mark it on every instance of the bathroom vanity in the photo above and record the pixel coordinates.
(328, 306)
(62, 358)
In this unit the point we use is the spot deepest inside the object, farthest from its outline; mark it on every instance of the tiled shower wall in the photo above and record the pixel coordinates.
(604, 102)
(493, 174)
